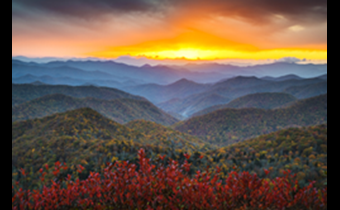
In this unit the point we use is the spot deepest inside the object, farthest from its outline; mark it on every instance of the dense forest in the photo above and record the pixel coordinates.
(83, 136)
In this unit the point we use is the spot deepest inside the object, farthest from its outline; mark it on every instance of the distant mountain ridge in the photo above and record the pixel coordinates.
(49, 80)
(240, 82)
(26, 92)
(121, 110)
(282, 78)
(19, 70)
(161, 74)
(161, 93)
(240, 86)
(276, 69)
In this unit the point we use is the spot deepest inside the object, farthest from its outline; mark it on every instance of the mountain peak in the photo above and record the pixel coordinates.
(37, 82)
(183, 81)
(146, 66)
(244, 77)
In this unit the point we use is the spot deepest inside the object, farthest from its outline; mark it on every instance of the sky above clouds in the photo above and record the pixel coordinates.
(171, 29)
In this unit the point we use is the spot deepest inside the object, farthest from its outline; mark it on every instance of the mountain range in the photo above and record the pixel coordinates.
(229, 89)
(160, 74)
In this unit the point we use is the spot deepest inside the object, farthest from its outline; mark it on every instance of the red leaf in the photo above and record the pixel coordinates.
(23, 172)
(266, 171)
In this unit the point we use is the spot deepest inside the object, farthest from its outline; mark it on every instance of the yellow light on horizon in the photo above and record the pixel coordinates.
(205, 54)
(197, 45)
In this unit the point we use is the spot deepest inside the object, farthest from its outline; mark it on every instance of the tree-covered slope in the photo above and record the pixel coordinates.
(261, 100)
(26, 92)
(164, 136)
(71, 137)
(121, 110)
(83, 136)
(229, 125)
(307, 91)
(302, 150)
(256, 100)
(236, 91)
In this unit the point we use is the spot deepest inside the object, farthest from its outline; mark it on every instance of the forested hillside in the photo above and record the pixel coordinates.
(167, 137)
(226, 126)
(256, 100)
(83, 136)
(302, 150)
(307, 91)
(26, 92)
(121, 110)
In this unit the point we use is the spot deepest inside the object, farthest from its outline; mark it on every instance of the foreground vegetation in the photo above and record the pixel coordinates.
(123, 185)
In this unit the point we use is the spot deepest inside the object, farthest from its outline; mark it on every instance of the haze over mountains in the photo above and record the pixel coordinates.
(160, 74)
(265, 97)
(180, 91)
(241, 98)
(229, 89)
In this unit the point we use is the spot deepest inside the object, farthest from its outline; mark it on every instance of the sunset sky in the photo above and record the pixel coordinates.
(171, 29)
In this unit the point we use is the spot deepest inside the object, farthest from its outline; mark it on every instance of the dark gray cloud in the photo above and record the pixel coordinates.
(249, 10)
(84, 9)
(262, 10)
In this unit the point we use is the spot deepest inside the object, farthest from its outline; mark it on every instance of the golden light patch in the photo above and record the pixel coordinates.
(296, 28)
(197, 45)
